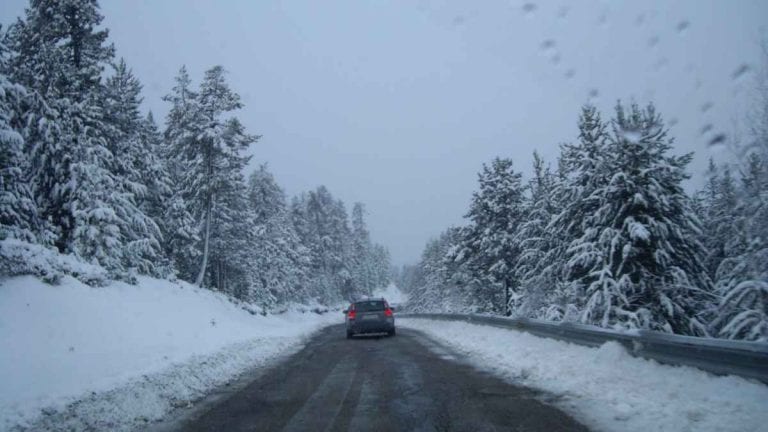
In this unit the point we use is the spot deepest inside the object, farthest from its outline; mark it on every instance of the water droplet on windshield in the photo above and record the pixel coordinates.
(529, 8)
(555, 58)
(640, 19)
(673, 121)
(547, 44)
(570, 73)
(593, 95)
(563, 11)
(740, 72)
(653, 41)
(458, 20)
(682, 26)
(717, 140)
(706, 106)
(706, 129)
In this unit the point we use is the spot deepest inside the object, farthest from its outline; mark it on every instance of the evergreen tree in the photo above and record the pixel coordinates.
(742, 276)
(180, 228)
(134, 145)
(322, 224)
(580, 172)
(18, 211)
(44, 44)
(59, 55)
(380, 267)
(536, 285)
(489, 249)
(434, 286)
(638, 261)
(208, 147)
(719, 220)
(280, 263)
(365, 265)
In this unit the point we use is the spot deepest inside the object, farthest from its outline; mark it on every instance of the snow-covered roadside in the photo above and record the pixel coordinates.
(118, 356)
(606, 388)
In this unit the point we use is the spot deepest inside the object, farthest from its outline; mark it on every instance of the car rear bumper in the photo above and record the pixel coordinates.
(371, 326)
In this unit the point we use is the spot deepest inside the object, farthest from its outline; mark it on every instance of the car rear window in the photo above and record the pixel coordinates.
(369, 306)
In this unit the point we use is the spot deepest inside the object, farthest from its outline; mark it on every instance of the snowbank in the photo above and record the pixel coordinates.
(127, 354)
(392, 294)
(21, 258)
(606, 388)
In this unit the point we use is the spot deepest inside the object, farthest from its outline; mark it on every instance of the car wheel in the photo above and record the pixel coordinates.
(349, 335)
(391, 332)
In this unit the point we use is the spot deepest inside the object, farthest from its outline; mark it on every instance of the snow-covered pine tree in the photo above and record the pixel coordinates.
(280, 262)
(580, 172)
(322, 223)
(220, 161)
(18, 212)
(433, 286)
(157, 173)
(742, 276)
(409, 279)
(134, 145)
(208, 147)
(341, 250)
(536, 285)
(269, 261)
(233, 234)
(59, 54)
(181, 231)
(363, 265)
(638, 260)
(381, 266)
(489, 250)
(719, 220)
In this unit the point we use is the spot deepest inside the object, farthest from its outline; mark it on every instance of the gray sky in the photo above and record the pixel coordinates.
(397, 104)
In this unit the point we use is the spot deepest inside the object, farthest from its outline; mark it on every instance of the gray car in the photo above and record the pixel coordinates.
(369, 316)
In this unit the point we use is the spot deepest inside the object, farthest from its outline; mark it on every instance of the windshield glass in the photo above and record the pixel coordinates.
(370, 306)
(564, 201)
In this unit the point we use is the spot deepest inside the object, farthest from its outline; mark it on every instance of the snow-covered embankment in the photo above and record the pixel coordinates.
(606, 388)
(119, 356)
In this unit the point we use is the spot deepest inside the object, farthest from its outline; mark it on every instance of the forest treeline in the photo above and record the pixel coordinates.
(86, 173)
(610, 237)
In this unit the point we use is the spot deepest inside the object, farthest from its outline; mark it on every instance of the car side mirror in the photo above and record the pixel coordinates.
(392, 308)
(345, 311)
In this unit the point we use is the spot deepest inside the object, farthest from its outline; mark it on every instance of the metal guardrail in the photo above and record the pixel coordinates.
(718, 356)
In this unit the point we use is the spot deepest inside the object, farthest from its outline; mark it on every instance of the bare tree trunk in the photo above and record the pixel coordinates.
(201, 275)
(507, 312)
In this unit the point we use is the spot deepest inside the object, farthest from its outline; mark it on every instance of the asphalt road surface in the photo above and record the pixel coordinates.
(401, 383)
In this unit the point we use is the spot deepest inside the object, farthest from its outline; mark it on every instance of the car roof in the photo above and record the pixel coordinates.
(369, 299)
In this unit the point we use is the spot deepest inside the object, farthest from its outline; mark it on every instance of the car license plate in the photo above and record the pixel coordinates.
(370, 317)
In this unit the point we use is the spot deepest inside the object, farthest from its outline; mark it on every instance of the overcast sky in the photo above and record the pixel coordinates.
(397, 104)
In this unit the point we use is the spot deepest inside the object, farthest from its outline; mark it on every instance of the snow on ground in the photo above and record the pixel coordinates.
(392, 294)
(606, 388)
(114, 357)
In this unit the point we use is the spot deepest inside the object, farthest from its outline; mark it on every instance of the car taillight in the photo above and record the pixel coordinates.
(388, 312)
(351, 314)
